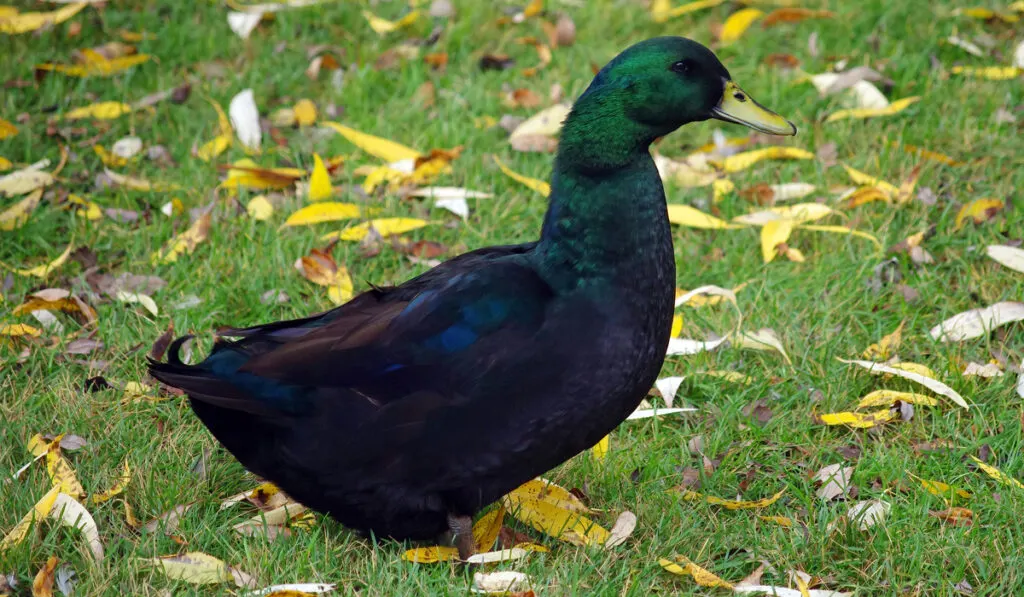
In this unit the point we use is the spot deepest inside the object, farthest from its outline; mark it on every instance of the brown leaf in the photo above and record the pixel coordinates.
(523, 98)
(954, 516)
(437, 61)
(161, 344)
(565, 31)
(794, 15)
(782, 60)
(42, 585)
(496, 62)
(425, 95)
(424, 249)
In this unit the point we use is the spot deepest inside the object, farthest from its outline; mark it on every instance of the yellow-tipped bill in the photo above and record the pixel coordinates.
(736, 106)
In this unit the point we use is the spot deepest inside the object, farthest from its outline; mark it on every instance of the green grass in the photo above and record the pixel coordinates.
(822, 308)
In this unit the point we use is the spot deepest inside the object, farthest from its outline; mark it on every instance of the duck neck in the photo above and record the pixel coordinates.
(606, 217)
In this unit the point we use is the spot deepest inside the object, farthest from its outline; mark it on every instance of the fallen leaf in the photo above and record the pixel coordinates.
(868, 513)
(544, 490)
(546, 123)
(737, 23)
(954, 516)
(96, 65)
(117, 488)
(292, 590)
(889, 397)
(42, 271)
(142, 299)
(794, 15)
(430, 555)
(746, 159)
(384, 227)
(701, 576)
(556, 522)
(192, 567)
(73, 514)
(932, 384)
(928, 154)
(487, 528)
(858, 420)
(26, 180)
(941, 489)
(732, 504)
(184, 243)
(1011, 257)
(993, 73)
(384, 149)
(860, 113)
(762, 339)
(502, 582)
(16, 215)
(600, 449)
(320, 268)
(684, 215)
(245, 119)
(977, 322)
(978, 370)
(243, 23)
(979, 210)
(997, 474)
(13, 330)
(61, 473)
(42, 584)
(16, 23)
(40, 510)
(537, 185)
(137, 184)
(773, 234)
(7, 129)
(662, 10)
(624, 526)
(867, 180)
(260, 208)
(383, 26)
(884, 347)
(99, 111)
(319, 181)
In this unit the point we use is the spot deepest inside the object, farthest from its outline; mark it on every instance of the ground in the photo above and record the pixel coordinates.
(823, 309)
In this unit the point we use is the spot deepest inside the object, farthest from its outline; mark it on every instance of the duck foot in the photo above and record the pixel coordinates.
(462, 528)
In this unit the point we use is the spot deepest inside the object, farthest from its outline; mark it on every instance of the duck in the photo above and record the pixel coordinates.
(407, 410)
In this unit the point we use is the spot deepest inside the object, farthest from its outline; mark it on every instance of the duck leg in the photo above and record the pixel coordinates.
(462, 529)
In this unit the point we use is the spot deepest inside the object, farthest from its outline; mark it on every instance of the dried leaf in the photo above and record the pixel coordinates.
(860, 113)
(42, 584)
(42, 271)
(746, 159)
(890, 397)
(867, 514)
(245, 119)
(737, 23)
(992, 73)
(932, 384)
(662, 10)
(732, 504)
(794, 15)
(74, 515)
(40, 510)
(192, 567)
(544, 490)
(977, 322)
(954, 516)
(762, 339)
(884, 347)
(979, 210)
(858, 420)
(16, 215)
(117, 488)
(26, 180)
(600, 449)
(997, 474)
(537, 185)
(61, 473)
(684, 215)
(320, 268)
(25, 22)
(384, 149)
(291, 590)
(624, 526)
(502, 582)
(687, 568)
(383, 26)
(99, 111)
(1011, 257)
(184, 243)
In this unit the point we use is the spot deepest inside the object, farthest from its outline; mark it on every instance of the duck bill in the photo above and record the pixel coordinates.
(737, 106)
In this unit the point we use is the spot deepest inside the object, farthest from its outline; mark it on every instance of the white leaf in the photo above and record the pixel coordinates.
(668, 387)
(143, 299)
(863, 93)
(1011, 257)
(784, 592)
(547, 122)
(314, 588)
(934, 385)
(456, 205)
(685, 346)
(791, 190)
(49, 321)
(449, 193)
(1018, 55)
(243, 23)
(835, 481)
(1020, 381)
(977, 322)
(245, 119)
(501, 555)
(868, 513)
(127, 147)
(979, 370)
(624, 526)
(762, 339)
(74, 515)
(501, 582)
(965, 45)
(647, 413)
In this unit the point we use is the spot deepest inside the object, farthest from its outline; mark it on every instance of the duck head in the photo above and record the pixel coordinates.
(666, 82)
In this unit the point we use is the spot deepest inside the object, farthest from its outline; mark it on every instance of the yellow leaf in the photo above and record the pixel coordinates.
(940, 489)
(783, 521)
(25, 22)
(732, 376)
(184, 243)
(383, 226)
(430, 555)
(319, 182)
(894, 108)
(986, 14)
(117, 488)
(794, 255)
(384, 149)
(537, 185)
(600, 449)
(5, 164)
(41, 510)
(260, 208)
(772, 234)
(732, 504)
(701, 576)
(979, 210)
(865, 195)
(214, 148)
(15, 216)
(684, 215)
(99, 111)
(7, 129)
(341, 289)
(915, 368)
(42, 584)
(928, 154)
(14, 330)
(889, 397)
(305, 112)
(737, 23)
(326, 211)
(100, 67)
(138, 184)
(841, 230)
(993, 73)
(487, 529)
(61, 473)
(677, 325)
(997, 474)
(870, 181)
(903, 370)
(384, 26)
(192, 567)
(720, 188)
(746, 159)
(41, 271)
(884, 347)
(541, 489)
(25, 180)
(136, 297)
(556, 522)
(662, 10)
(858, 420)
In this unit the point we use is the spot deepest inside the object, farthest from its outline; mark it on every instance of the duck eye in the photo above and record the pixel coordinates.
(683, 66)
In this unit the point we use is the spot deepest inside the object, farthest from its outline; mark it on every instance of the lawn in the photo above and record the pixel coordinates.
(826, 295)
